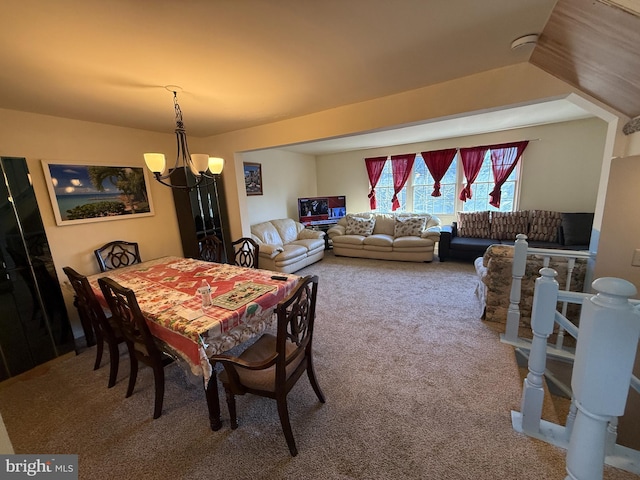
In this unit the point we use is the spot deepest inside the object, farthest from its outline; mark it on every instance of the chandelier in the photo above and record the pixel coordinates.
(197, 166)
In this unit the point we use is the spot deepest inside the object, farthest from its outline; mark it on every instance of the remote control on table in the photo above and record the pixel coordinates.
(278, 277)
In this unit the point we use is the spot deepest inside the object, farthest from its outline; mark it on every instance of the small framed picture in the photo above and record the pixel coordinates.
(253, 178)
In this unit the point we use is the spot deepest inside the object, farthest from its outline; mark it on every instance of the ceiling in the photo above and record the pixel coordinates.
(244, 63)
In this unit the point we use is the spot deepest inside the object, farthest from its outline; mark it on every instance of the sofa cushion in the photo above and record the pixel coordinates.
(409, 226)
(544, 226)
(471, 244)
(379, 240)
(290, 252)
(309, 243)
(287, 229)
(267, 233)
(411, 242)
(385, 224)
(360, 226)
(432, 222)
(473, 224)
(576, 228)
(269, 250)
(506, 225)
(349, 239)
(496, 250)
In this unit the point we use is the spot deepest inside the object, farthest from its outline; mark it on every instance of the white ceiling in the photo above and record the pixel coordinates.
(243, 63)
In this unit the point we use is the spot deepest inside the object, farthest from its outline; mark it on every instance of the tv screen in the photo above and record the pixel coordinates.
(321, 210)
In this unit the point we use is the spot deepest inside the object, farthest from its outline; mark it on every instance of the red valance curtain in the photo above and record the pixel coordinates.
(401, 166)
(471, 164)
(504, 159)
(438, 162)
(374, 170)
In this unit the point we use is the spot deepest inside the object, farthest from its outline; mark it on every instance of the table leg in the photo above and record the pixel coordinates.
(213, 402)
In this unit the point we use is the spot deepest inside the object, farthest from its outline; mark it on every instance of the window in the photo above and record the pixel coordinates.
(384, 191)
(484, 185)
(416, 195)
(422, 183)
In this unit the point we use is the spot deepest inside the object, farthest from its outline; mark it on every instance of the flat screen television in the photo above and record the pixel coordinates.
(321, 210)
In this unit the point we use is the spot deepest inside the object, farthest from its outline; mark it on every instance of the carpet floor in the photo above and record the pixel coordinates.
(417, 387)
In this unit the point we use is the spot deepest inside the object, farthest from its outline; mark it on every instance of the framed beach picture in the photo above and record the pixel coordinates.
(253, 178)
(82, 193)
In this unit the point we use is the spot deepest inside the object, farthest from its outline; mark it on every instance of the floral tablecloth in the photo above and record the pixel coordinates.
(166, 292)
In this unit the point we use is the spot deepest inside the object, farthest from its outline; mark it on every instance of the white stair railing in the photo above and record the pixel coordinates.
(605, 353)
(520, 254)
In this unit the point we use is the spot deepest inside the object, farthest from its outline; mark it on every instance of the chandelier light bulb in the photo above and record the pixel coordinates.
(216, 165)
(200, 161)
(155, 162)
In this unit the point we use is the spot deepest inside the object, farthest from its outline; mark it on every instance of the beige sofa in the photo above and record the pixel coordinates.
(386, 236)
(286, 245)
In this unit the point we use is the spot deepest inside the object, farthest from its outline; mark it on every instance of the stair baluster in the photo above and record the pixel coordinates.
(609, 331)
(542, 321)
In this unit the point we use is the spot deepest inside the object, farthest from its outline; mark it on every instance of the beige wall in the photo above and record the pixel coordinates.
(6, 448)
(620, 234)
(280, 193)
(40, 137)
(571, 151)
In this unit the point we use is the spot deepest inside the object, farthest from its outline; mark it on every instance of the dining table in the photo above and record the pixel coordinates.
(168, 291)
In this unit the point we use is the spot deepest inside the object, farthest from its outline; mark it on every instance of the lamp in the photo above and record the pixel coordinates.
(200, 165)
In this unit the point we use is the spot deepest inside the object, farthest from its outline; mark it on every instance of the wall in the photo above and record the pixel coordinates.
(491, 90)
(620, 234)
(285, 176)
(41, 137)
(6, 448)
(560, 168)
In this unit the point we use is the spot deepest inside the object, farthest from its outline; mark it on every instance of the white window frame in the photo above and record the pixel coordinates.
(408, 189)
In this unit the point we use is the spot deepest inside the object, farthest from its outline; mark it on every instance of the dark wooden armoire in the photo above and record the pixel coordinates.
(201, 211)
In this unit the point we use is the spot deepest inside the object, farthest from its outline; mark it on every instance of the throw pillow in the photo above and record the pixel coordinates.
(506, 225)
(544, 226)
(360, 226)
(576, 228)
(473, 224)
(409, 226)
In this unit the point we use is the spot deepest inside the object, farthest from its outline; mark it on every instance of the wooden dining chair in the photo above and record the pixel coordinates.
(117, 254)
(245, 252)
(142, 345)
(272, 365)
(104, 326)
(211, 249)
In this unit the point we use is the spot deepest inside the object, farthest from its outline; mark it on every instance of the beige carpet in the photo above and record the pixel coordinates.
(417, 387)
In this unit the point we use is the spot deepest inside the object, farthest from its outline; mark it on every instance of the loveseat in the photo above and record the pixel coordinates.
(474, 232)
(494, 270)
(286, 245)
(386, 236)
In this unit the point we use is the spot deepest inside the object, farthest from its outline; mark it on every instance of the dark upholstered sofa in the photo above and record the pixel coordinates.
(469, 237)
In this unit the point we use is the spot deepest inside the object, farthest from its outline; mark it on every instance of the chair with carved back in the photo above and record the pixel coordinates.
(273, 364)
(92, 313)
(245, 252)
(211, 249)
(142, 345)
(117, 254)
